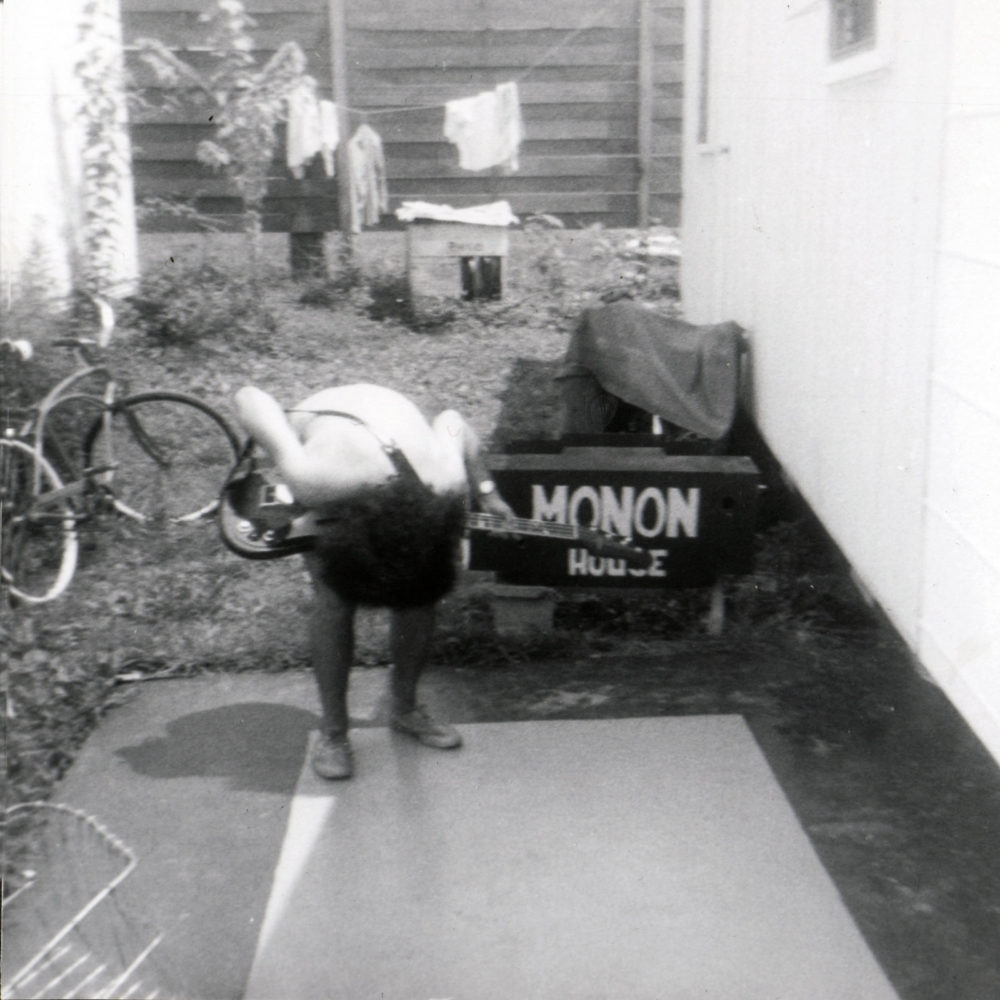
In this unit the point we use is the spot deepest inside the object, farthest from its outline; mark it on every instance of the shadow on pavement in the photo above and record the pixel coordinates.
(255, 746)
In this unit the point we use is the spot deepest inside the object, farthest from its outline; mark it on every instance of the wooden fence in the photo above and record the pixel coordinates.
(599, 80)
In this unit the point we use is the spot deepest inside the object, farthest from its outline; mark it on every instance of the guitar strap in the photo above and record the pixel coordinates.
(244, 528)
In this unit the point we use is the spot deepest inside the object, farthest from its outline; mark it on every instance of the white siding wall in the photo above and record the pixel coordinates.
(960, 621)
(812, 215)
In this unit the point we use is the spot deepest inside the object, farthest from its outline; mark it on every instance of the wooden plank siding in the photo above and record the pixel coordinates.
(575, 61)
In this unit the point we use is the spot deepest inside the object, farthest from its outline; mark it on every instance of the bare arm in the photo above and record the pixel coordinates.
(482, 489)
(317, 471)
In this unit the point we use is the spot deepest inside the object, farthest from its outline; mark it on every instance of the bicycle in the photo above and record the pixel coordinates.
(156, 457)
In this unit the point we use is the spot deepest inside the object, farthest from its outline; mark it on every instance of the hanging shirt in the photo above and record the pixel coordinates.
(486, 128)
(329, 134)
(304, 136)
(369, 193)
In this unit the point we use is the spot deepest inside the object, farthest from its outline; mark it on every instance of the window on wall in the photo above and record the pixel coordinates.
(852, 27)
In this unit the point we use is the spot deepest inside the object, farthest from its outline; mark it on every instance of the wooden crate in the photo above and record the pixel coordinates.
(435, 253)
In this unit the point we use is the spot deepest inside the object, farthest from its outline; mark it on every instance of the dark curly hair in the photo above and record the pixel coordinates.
(394, 545)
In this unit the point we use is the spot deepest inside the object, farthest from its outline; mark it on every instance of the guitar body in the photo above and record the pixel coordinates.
(255, 528)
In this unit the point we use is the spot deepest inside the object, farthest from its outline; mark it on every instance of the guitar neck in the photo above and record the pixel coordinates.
(597, 543)
(521, 526)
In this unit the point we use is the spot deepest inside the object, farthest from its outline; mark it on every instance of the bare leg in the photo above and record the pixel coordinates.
(410, 641)
(332, 638)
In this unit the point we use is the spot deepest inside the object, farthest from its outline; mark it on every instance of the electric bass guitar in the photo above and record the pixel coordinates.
(260, 520)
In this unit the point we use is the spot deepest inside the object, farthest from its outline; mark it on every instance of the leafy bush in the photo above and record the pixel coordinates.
(333, 291)
(52, 701)
(389, 298)
(384, 297)
(187, 305)
(244, 102)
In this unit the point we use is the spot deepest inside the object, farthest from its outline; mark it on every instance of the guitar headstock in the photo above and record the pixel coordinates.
(600, 543)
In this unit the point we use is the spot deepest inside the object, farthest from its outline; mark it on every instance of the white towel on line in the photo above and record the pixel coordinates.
(487, 128)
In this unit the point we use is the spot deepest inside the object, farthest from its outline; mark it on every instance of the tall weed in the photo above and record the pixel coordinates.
(188, 305)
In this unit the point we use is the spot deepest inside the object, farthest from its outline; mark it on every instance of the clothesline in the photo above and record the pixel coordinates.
(366, 113)
(486, 128)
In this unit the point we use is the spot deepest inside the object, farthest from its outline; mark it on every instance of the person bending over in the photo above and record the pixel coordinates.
(390, 491)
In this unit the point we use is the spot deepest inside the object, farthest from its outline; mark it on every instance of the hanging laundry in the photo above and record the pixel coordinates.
(509, 125)
(496, 213)
(312, 128)
(304, 135)
(369, 193)
(329, 134)
(487, 128)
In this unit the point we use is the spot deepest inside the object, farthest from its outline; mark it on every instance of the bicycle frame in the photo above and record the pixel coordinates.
(74, 456)
(35, 429)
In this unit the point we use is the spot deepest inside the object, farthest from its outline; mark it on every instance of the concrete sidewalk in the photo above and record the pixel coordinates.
(696, 873)
(558, 860)
(196, 777)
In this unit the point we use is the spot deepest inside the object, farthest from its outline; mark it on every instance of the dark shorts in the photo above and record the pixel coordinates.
(394, 546)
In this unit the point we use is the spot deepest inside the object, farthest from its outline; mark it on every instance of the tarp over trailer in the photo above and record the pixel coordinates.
(624, 353)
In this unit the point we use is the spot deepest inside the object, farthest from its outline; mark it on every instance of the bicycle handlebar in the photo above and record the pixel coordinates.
(22, 348)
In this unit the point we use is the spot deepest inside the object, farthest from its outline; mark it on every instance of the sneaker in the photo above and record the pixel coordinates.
(419, 724)
(332, 757)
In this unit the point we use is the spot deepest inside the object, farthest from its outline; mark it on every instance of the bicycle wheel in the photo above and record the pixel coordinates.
(171, 454)
(38, 538)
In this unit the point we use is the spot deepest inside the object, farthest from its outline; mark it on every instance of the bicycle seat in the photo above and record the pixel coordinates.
(22, 348)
